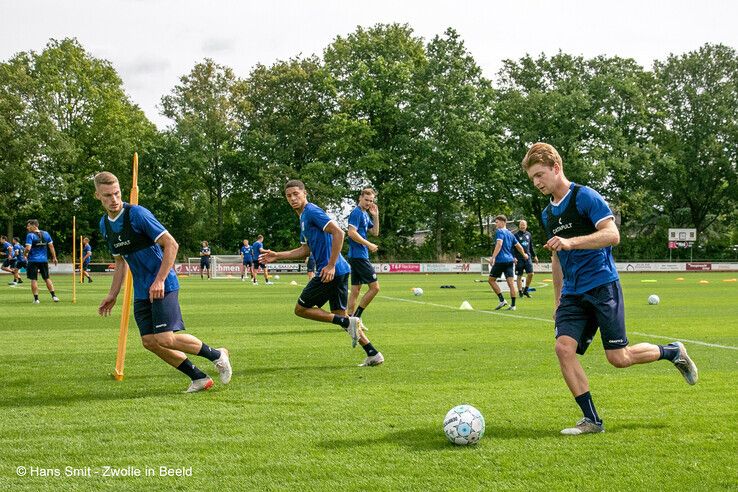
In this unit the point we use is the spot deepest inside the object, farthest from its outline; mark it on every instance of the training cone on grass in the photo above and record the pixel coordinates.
(465, 306)
(293, 283)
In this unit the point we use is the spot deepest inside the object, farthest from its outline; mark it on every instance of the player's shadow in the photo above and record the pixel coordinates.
(305, 331)
(258, 371)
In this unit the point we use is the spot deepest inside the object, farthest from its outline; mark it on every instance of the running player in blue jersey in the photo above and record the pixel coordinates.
(8, 256)
(139, 242)
(362, 271)
(523, 265)
(322, 237)
(38, 244)
(587, 293)
(204, 259)
(20, 261)
(86, 259)
(256, 251)
(502, 261)
(247, 262)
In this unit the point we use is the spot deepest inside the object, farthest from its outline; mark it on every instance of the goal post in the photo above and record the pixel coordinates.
(225, 266)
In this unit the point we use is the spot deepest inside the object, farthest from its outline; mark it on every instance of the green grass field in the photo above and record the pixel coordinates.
(299, 414)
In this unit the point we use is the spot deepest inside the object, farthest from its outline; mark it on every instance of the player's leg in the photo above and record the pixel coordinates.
(49, 283)
(513, 293)
(368, 298)
(353, 296)
(362, 272)
(254, 268)
(337, 301)
(519, 274)
(494, 274)
(528, 282)
(265, 269)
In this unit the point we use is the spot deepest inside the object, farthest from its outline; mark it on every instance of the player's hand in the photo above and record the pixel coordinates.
(372, 247)
(490, 261)
(55, 262)
(525, 256)
(327, 273)
(557, 243)
(106, 306)
(156, 291)
(268, 257)
(373, 209)
(535, 259)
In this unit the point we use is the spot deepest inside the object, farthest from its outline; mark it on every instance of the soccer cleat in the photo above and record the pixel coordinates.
(243, 279)
(89, 280)
(54, 298)
(223, 365)
(201, 384)
(353, 330)
(20, 280)
(511, 308)
(520, 293)
(268, 283)
(374, 360)
(584, 426)
(12, 284)
(526, 293)
(36, 301)
(684, 364)
(256, 283)
(501, 305)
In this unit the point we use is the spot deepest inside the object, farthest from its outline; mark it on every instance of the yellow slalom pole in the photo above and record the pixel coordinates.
(74, 255)
(81, 275)
(128, 290)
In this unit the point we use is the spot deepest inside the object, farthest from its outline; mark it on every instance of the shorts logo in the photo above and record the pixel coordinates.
(300, 299)
(619, 340)
(374, 275)
(163, 325)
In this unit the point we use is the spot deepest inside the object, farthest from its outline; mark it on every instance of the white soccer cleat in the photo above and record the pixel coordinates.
(269, 283)
(374, 360)
(13, 284)
(55, 299)
(223, 365)
(501, 305)
(36, 301)
(685, 364)
(584, 426)
(353, 330)
(201, 384)
(511, 308)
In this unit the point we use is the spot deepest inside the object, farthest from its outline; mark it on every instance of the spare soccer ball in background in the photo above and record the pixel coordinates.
(417, 291)
(463, 425)
(653, 299)
(276, 277)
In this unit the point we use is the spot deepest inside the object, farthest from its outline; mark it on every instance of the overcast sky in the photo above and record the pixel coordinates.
(153, 42)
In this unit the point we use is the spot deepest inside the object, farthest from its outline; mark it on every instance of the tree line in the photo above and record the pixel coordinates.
(381, 107)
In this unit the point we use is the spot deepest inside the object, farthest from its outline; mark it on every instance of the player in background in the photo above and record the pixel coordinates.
(581, 232)
(501, 262)
(204, 259)
(139, 242)
(20, 261)
(38, 244)
(525, 239)
(6, 252)
(310, 260)
(247, 262)
(86, 258)
(322, 237)
(362, 271)
(256, 251)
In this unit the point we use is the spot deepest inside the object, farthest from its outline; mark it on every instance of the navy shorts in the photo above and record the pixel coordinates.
(311, 264)
(248, 263)
(258, 265)
(499, 268)
(160, 316)
(20, 264)
(523, 265)
(86, 266)
(316, 293)
(9, 263)
(36, 267)
(579, 316)
(362, 271)
(205, 263)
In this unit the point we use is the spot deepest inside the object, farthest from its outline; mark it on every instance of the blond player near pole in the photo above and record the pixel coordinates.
(139, 242)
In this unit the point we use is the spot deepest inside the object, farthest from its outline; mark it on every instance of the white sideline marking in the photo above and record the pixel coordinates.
(548, 320)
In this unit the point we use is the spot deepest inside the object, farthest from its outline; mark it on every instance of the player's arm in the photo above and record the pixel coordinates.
(356, 237)
(532, 250)
(170, 247)
(498, 247)
(374, 210)
(121, 268)
(558, 279)
(520, 249)
(269, 256)
(87, 255)
(607, 234)
(53, 253)
(329, 271)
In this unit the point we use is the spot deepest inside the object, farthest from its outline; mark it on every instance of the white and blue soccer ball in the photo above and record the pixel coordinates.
(417, 291)
(653, 299)
(463, 425)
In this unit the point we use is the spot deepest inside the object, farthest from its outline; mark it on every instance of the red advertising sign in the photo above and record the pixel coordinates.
(699, 267)
(672, 245)
(404, 267)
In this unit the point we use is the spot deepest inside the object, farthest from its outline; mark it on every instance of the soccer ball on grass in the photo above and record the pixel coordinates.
(463, 425)
(417, 291)
(653, 299)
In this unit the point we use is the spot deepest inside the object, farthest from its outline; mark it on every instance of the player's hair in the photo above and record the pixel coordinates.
(541, 153)
(259, 237)
(4, 238)
(86, 239)
(502, 218)
(32, 222)
(294, 183)
(206, 243)
(368, 191)
(105, 178)
(16, 239)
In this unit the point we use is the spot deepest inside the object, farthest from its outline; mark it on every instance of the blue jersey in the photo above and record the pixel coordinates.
(256, 250)
(585, 269)
(526, 241)
(205, 252)
(8, 250)
(39, 253)
(85, 250)
(360, 221)
(508, 243)
(313, 222)
(144, 263)
(246, 252)
(19, 252)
